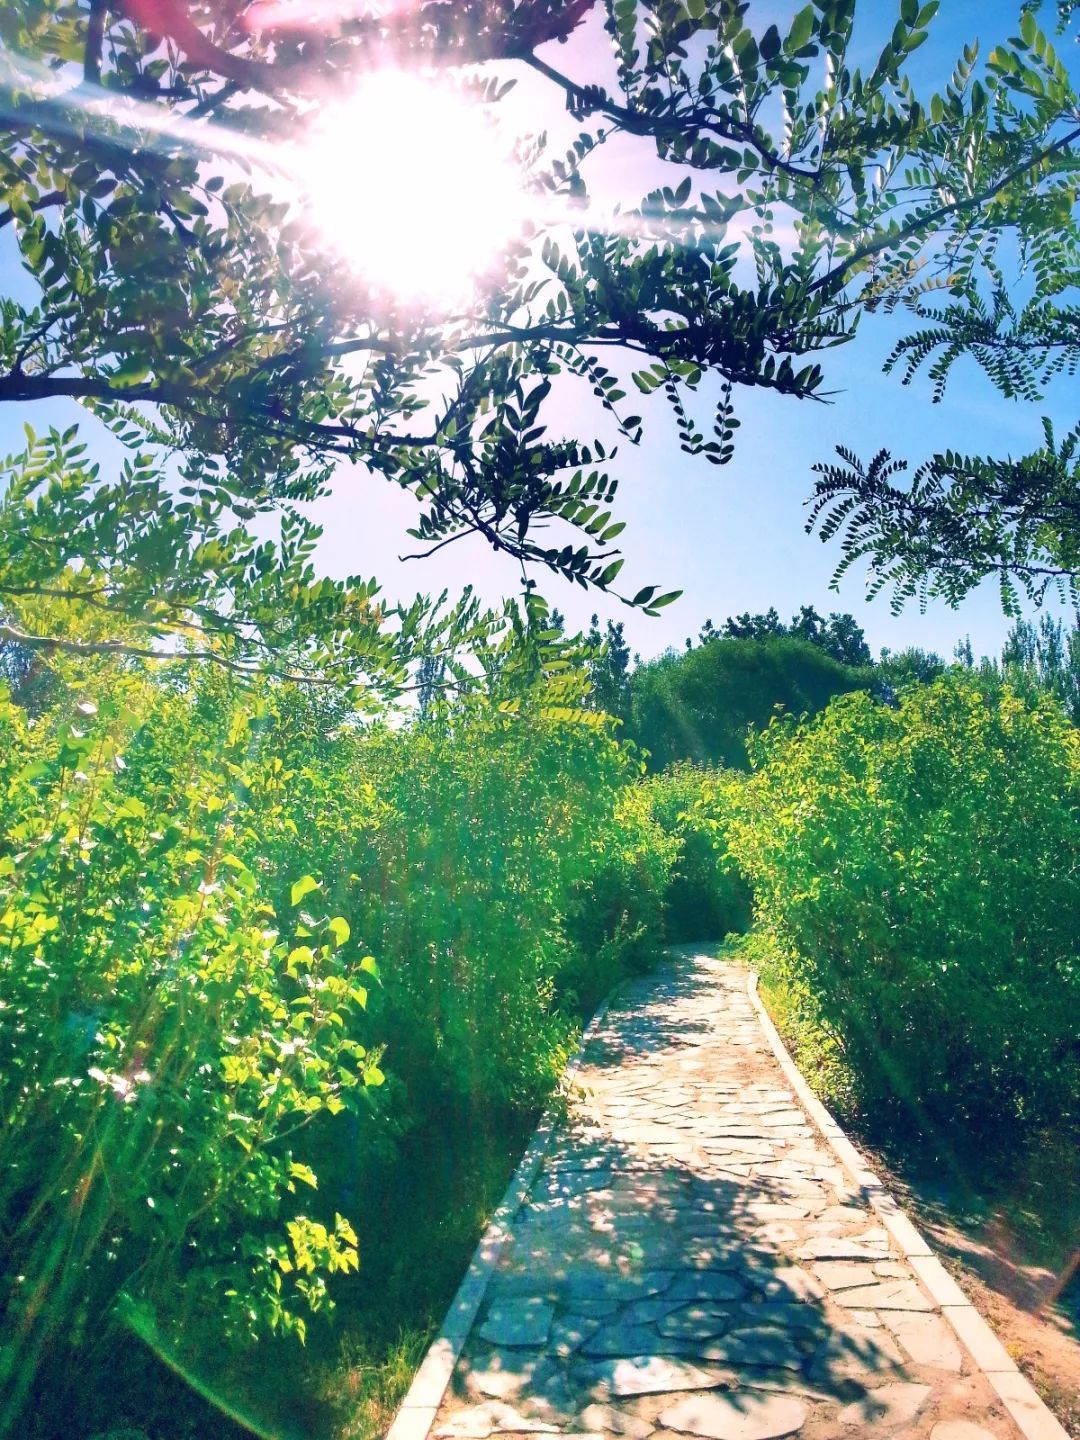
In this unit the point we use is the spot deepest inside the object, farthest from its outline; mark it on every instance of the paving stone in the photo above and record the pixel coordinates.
(845, 1274)
(790, 1315)
(706, 1285)
(588, 1283)
(791, 1282)
(831, 1247)
(619, 1339)
(647, 1312)
(776, 1232)
(585, 1307)
(755, 1345)
(895, 1404)
(568, 1334)
(654, 1375)
(742, 1416)
(696, 1322)
(524, 1323)
(886, 1295)
(854, 1355)
(926, 1338)
(892, 1270)
(610, 1420)
(501, 1375)
(493, 1417)
(960, 1430)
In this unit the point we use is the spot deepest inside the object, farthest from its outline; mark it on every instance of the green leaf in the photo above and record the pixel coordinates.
(339, 929)
(304, 886)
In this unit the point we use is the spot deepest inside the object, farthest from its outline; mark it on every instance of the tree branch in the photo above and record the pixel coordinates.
(127, 650)
(95, 34)
(891, 239)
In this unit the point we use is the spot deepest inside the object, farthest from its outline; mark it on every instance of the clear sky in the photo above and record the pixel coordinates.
(731, 538)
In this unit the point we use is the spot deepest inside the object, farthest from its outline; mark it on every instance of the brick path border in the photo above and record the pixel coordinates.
(1020, 1398)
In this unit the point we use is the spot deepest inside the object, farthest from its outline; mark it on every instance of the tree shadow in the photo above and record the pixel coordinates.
(633, 1276)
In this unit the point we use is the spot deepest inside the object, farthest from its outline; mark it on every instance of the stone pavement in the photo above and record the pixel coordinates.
(692, 1259)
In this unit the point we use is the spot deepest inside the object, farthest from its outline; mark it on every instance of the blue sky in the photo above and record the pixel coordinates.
(732, 539)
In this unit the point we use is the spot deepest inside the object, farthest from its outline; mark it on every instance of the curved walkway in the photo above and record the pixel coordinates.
(689, 1254)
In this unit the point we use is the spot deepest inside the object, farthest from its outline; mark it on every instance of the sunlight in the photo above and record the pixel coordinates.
(411, 185)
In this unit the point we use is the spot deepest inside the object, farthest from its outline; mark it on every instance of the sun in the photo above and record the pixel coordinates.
(411, 184)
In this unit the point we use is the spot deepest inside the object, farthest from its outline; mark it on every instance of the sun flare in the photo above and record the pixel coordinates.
(411, 185)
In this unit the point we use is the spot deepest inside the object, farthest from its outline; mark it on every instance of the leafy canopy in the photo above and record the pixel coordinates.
(167, 287)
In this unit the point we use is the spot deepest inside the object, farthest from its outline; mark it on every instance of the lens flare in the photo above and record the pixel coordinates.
(412, 186)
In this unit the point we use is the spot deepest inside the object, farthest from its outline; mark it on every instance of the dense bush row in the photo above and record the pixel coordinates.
(225, 917)
(916, 871)
(698, 705)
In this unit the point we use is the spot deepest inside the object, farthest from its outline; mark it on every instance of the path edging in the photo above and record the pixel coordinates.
(1031, 1414)
(416, 1413)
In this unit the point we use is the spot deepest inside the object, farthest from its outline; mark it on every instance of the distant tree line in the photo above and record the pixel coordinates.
(698, 704)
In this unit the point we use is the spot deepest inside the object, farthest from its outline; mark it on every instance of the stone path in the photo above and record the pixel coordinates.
(692, 1259)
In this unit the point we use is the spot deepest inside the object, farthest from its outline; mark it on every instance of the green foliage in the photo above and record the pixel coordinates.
(959, 520)
(505, 848)
(699, 706)
(167, 284)
(916, 873)
(220, 906)
(617, 917)
(168, 1024)
(707, 898)
(609, 668)
(1044, 659)
(839, 636)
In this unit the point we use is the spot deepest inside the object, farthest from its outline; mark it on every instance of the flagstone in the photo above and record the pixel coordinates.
(611, 1420)
(886, 1295)
(741, 1416)
(756, 1345)
(654, 1375)
(694, 1260)
(893, 1404)
(926, 1338)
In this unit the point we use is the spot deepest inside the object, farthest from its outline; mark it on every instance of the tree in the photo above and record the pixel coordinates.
(699, 705)
(198, 317)
(964, 518)
(609, 668)
(908, 667)
(1040, 660)
(840, 636)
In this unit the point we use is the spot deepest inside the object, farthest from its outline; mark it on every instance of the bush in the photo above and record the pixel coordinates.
(917, 872)
(699, 705)
(510, 866)
(194, 878)
(166, 1027)
(616, 919)
(706, 898)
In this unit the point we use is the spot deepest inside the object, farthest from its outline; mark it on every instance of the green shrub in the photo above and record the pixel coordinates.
(166, 1029)
(917, 872)
(700, 704)
(508, 863)
(706, 898)
(194, 878)
(616, 919)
